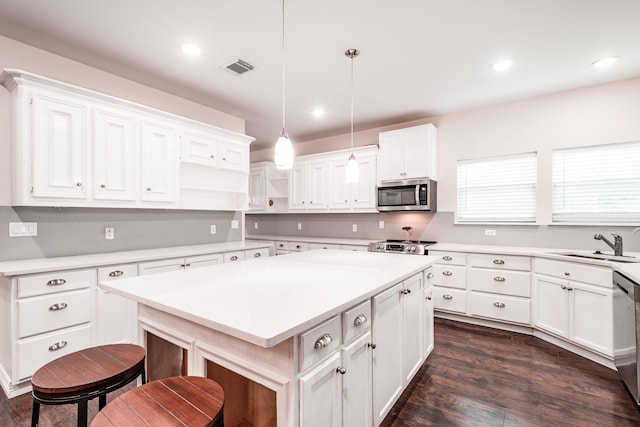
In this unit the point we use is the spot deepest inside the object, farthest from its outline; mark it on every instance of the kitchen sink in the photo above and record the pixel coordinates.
(602, 257)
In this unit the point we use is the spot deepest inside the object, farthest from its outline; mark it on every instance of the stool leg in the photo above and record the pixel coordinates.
(82, 413)
(144, 376)
(102, 401)
(35, 414)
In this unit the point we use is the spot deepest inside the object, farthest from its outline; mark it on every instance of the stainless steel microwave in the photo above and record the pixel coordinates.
(407, 195)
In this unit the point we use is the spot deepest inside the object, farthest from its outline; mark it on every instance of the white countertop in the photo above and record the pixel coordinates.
(332, 240)
(267, 301)
(39, 265)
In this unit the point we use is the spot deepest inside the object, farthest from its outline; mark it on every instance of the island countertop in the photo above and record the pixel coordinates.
(267, 301)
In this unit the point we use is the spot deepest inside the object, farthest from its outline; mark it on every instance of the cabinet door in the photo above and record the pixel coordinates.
(591, 322)
(391, 156)
(59, 155)
(115, 154)
(417, 155)
(551, 305)
(363, 193)
(412, 326)
(317, 185)
(356, 383)
(233, 156)
(297, 191)
(339, 189)
(428, 342)
(387, 356)
(198, 148)
(203, 260)
(158, 163)
(116, 318)
(257, 189)
(161, 266)
(321, 395)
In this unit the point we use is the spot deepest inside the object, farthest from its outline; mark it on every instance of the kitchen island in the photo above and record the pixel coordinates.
(283, 335)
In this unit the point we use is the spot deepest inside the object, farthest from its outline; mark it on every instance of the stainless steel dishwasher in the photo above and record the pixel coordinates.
(626, 331)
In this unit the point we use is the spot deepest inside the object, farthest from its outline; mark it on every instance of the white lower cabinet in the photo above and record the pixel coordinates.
(398, 338)
(428, 341)
(116, 316)
(321, 395)
(174, 264)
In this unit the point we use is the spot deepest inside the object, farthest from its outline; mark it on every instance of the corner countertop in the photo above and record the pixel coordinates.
(267, 301)
(40, 265)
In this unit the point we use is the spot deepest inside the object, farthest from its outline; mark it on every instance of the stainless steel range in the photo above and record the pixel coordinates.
(412, 247)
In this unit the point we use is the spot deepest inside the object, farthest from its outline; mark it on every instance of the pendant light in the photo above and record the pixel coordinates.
(284, 148)
(352, 171)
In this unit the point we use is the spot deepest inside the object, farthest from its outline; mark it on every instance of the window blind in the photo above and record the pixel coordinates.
(497, 189)
(597, 184)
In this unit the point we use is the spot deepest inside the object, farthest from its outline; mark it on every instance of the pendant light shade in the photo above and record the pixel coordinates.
(284, 147)
(352, 171)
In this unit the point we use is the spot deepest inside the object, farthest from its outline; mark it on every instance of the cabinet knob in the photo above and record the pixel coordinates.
(148, 188)
(346, 201)
(57, 346)
(56, 282)
(569, 288)
(563, 287)
(355, 200)
(429, 275)
(447, 296)
(78, 184)
(372, 345)
(257, 255)
(447, 273)
(116, 273)
(212, 156)
(341, 370)
(498, 304)
(428, 298)
(58, 306)
(234, 258)
(447, 258)
(103, 186)
(323, 341)
(360, 320)
(566, 273)
(224, 158)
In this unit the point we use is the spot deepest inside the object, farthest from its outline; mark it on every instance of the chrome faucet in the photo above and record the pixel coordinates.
(616, 246)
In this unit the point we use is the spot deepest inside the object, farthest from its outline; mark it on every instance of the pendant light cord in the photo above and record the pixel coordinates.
(352, 104)
(283, 56)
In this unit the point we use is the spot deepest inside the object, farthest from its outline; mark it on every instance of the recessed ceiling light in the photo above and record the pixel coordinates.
(604, 62)
(191, 49)
(502, 65)
(317, 112)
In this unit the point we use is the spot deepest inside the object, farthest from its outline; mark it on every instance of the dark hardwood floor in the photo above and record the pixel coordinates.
(475, 377)
(480, 376)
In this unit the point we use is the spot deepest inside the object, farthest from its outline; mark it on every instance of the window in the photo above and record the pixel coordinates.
(497, 189)
(597, 184)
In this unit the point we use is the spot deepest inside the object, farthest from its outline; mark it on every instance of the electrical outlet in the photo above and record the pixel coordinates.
(235, 224)
(299, 226)
(109, 233)
(354, 228)
(380, 225)
(489, 232)
(255, 225)
(214, 229)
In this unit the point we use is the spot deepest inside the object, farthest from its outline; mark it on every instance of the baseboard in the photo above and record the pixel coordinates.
(13, 390)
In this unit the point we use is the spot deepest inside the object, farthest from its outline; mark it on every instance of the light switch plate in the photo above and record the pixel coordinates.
(23, 229)
(354, 228)
(299, 226)
(381, 224)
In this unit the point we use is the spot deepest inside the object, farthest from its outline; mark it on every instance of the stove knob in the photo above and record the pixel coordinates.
(413, 249)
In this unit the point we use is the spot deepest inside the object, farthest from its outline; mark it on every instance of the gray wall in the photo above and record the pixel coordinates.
(438, 227)
(77, 231)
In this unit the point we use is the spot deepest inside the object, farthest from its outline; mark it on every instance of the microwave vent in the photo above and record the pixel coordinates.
(239, 67)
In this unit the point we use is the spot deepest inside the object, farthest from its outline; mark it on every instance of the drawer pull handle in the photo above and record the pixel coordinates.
(234, 258)
(447, 273)
(429, 275)
(498, 261)
(447, 258)
(447, 296)
(341, 370)
(499, 304)
(360, 320)
(56, 282)
(499, 279)
(371, 345)
(58, 306)
(298, 246)
(116, 273)
(57, 346)
(257, 255)
(323, 341)
(566, 273)
(428, 298)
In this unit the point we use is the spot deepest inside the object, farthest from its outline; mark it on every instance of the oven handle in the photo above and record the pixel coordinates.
(623, 288)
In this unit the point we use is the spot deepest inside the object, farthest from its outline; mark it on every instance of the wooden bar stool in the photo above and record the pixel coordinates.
(84, 375)
(174, 401)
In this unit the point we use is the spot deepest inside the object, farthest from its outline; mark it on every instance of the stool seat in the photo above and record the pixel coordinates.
(83, 375)
(174, 401)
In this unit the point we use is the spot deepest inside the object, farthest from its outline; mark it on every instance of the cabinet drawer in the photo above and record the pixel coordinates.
(453, 258)
(203, 260)
(50, 312)
(292, 246)
(504, 282)
(319, 342)
(501, 307)
(234, 256)
(602, 276)
(32, 353)
(57, 281)
(162, 266)
(450, 276)
(323, 246)
(256, 253)
(509, 262)
(356, 320)
(354, 248)
(450, 299)
(113, 272)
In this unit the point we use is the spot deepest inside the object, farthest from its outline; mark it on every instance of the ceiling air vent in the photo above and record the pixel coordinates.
(239, 67)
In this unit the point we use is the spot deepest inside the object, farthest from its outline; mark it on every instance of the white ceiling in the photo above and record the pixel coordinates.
(418, 57)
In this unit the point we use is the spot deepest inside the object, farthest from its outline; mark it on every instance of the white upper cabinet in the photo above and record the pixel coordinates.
(408, 153)
(359, 196)
(115, 155)
(257, 188)
(58, 145)
(76, 147)
(308, 185)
